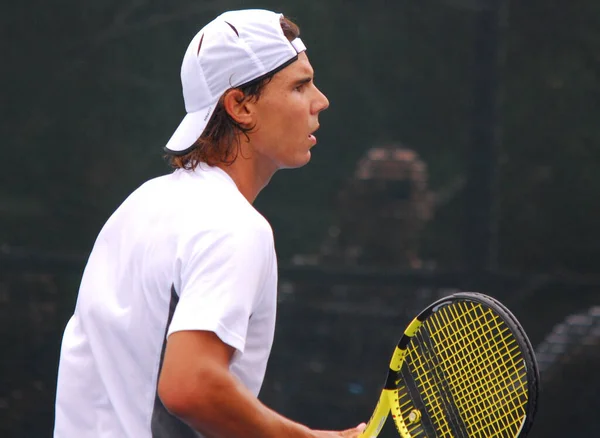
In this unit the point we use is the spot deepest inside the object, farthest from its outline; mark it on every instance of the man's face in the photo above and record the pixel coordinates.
(286, 116)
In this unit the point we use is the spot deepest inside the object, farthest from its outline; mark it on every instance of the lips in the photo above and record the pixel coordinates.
(312, 137)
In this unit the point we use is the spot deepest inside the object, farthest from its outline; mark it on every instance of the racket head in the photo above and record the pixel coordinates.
(463, 368)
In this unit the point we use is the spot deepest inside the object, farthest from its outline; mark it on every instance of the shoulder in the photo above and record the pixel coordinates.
(237, 229)
(198, 210)
(225, 223)
(227, 247)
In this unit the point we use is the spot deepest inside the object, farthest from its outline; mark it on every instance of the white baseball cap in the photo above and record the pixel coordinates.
(235, 49)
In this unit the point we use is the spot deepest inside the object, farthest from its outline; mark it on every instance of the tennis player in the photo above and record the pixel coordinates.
(176, 310)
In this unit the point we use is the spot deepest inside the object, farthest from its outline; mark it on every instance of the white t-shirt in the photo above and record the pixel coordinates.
(185, 251)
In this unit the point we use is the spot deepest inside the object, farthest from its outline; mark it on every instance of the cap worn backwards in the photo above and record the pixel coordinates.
(235, 49)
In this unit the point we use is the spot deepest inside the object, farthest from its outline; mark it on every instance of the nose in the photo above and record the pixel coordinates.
(320, 102)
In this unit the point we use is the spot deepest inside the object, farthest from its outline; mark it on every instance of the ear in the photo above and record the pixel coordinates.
(238, 107)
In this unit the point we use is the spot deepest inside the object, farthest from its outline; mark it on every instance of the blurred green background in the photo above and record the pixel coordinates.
(499, 99)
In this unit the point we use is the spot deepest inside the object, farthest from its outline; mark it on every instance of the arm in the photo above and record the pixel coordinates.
(195, 385)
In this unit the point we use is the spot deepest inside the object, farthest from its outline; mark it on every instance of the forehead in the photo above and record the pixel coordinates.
(296, 70)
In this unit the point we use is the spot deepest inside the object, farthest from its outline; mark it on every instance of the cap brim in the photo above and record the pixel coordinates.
(189, 130)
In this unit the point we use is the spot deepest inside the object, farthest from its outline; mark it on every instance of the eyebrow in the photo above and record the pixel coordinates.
(303, 81)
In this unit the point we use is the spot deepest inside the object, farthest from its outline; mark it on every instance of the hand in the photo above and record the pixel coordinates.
(349, 433)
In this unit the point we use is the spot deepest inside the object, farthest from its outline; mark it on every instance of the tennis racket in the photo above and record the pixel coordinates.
(463, 368)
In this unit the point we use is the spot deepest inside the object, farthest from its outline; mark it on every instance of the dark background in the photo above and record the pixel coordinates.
(499, 99)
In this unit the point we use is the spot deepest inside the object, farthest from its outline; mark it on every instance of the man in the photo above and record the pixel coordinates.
(176, 310)
(389, 192)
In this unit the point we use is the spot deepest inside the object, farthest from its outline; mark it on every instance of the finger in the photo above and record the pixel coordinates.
(355, 432)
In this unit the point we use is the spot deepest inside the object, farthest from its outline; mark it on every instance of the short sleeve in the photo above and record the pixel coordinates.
(222, 277)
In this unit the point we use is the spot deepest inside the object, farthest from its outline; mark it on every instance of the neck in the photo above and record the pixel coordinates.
(249, 172)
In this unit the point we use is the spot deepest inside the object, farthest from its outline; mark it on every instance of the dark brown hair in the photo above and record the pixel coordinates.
(219, 143)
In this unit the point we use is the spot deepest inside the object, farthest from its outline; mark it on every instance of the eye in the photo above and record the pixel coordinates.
(302, 85)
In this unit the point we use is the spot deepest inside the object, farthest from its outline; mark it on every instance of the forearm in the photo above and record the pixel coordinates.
(224, 408)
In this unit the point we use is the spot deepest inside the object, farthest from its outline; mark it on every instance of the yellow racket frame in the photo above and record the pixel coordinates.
(388, 400)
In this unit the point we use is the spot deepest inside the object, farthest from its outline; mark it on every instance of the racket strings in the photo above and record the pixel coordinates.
(495, 361)
(427, 393)
(504, 388)
(490, 359)
(428, 399)
(454, 423)
(469, 372)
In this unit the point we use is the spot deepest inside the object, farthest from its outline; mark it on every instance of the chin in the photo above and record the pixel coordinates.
(296, 162)
(303, 161)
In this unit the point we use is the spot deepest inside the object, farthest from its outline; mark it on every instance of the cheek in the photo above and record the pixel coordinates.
(285, 120)
(296, 118)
